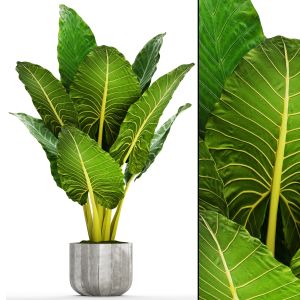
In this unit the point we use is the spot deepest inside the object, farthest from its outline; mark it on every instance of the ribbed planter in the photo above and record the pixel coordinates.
(101, 269)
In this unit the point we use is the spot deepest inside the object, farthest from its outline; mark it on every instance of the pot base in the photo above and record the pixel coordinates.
(101, 269)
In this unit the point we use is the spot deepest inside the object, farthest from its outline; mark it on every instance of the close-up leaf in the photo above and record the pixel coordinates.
(253, 136)
(48, 96)
(160, 137)
(138, 128)
(87, 170)
(103, 89)
(227, 31)
(211, 195)
(46, 138)
(235, 265)
(75, 41)
(295, 264)
(144, 65)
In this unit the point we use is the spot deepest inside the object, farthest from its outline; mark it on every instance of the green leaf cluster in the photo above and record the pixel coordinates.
(99, 119)
(249, 157)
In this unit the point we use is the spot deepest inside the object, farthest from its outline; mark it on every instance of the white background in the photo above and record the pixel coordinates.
(160, 211)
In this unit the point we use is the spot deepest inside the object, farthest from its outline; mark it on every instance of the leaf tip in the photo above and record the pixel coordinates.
(62, 8)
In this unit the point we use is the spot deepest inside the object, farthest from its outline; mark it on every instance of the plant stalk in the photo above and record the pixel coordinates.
(101, 212)
(96, 231)
(106, 225)
(88, 218)
(115, 221)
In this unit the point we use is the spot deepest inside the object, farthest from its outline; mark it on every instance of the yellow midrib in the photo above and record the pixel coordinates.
(137, 135)
(232, 288)
(47, 97)
(96, 233)
(276, 180)
(103, 103)
(86, 175)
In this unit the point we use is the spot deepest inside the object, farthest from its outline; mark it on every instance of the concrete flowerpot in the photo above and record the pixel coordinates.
(103, 269)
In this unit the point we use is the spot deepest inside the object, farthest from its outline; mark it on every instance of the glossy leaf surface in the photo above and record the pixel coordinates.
(234, 265)
(138, 128)
(85, 168)
(295, 264)
(48, 96)
(146, 61)
(103, 89)
(75, 41)
(46, 139)
(211, 196)
(160, 137)
(254, 138)
(227, 31)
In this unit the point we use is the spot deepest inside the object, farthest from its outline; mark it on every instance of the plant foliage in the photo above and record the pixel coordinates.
(100, 119)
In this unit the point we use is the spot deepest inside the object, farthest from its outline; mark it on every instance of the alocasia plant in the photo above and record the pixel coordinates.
(249, 161)
(98, 123)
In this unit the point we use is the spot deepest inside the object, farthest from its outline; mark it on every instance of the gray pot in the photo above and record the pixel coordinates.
(101, 269)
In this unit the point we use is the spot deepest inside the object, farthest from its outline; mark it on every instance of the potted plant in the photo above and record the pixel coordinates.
(98, 130)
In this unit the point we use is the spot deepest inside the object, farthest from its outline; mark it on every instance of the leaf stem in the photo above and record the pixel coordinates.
(101, 212)
(96, 232)
(88, 218)
(115, 221)
(106, 225)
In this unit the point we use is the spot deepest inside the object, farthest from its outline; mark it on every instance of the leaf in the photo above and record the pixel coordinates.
(138, 128)
(254, 136)
(160, 137)
(234, 265)
(211, 196)
(75, 41)
(227, 31)
(295, 264)
(85, 169)
(145, 63)
(46, 139)
(103, 89)
(48, 96)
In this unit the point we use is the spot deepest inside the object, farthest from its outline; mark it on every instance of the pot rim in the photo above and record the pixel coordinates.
(101, 243)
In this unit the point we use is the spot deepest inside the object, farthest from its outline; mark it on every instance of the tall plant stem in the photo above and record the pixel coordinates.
(276, 182)
(106, 225)
(88, 219)
(115, 221)
(101, 212)
(96, 231)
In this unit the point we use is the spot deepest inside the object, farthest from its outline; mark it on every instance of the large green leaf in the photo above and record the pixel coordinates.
(75, 41)
(137, 130)
(254, 138)
(145, 63)
(211, 187)
(103, 89)
(160, 137)
(234, 265)
(48, 96)
(227, 31)
(85, 169)
(295, 264)
(46, 138)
